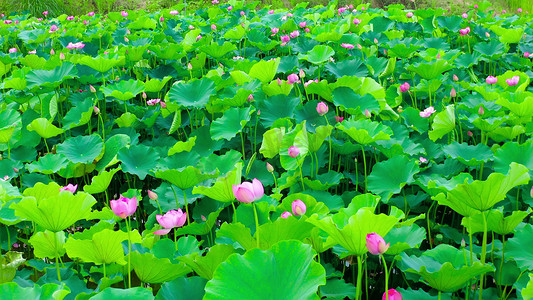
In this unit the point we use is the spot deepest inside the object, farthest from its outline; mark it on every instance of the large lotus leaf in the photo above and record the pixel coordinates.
(48, 244)
(103, 247)
(183, 288)
(361, 86)
(513, 152)
(493, 48)
(405, 237)
(197, 228)
(443, 123)
(44, 128)
(112, 146)
(286, 271)
(297, 137)
(519, 248)
(431, 70)
(186, 177)
(217, 51)
(265, 70)
(318, 55)
(271, 144)
(100, 64)
(349, 67)
(78, 115)
(138, 160)
(495, 221)
(483, 195)
(238, 233)
(467, 154)
(389, 177)
(205, 265)
(82, 149)
(443, 268)
(324, 181)
(155, 85)
(282, 229)
(235, 33)
(508, 35)
(523, 109)
(52, 78)
(365, 131)
(231, 123)
(136, 293)
(100, 182)
(346, 99)
(9, 121)
(338, 289)
(48, 164)
(224, 163)
(49, 291)
(124, 90)
(54, 211)
(316, 139)
(151, 269)
(353, 235)
(277, 107)
(9, 263)
(523, 81)
(222, 190)
(4, 68)
(194, 94)
(527, 292)
(402, 50)
(320, 88)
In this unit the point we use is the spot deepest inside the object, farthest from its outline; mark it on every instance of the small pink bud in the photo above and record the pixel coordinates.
(455, 78)
(302, 74)
(61, 56)
(322, 108)
(422, 160)
(526, 54)
(213, 27)
(152, 195)
(367, 113)
(453, 93)
(298, 208)
(250, 98)
(465, 15)
(519, 10)
(92, 89)
(531, 192)
(230, 8)
(307, 29)
(470, 133)
(286, 214)
(243, 13)
(339, 119)
(189, 66)
(163, 104)
(96, 110)
(274, 30)
(476, 6)
(405, 87)
(481, 111)
(270, 168)
(279, 81)
(303, 24)
(491, 80)
(409, 15)
(487, 34)
(356, 21)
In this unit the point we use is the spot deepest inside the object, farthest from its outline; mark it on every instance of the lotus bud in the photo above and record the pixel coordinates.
(144, 95)
(203, 218)
(481, 111)
(270, 168)
(213, 27)
(359, 47)
(367, 113)
(250, 98)
(339, 119)
(470, 133)
(96, 110)
(453, 93)
(487, 34)
(279, 81)
(392, 294)
(152, 195)
(531, 192)
(302, 74)
(455, 78)
(376, 244)
(163, 104)
(189, 66)
(375, 40)
(322, 108)
(286, 214)
(294, 151)
(463, 243)
(298, 208)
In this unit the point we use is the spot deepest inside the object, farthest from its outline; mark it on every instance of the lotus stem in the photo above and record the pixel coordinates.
(256, 224)
(387, 277)
(57, 268)
(329, 139)
(483, 254)
(364, 165)
(234, 212)
(242, 145)
(105, 274)
(359, 277)
(175, 241)
(129, 251)
(301, 175)
(186, 207)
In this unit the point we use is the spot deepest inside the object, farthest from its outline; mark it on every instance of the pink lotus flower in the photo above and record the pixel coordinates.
(69, 187)
(242, 13)
(341, 10)
(409, 15)
(422, 160)
(53, 28)
(70, 18)
(124, 13)
(45, 13)
(293, 78)
(526, 54)
(453, 93)
(90, 14)
(464, 31)
(274, 30)
(152, 102)
(295, 34)
(215, 2)
(289, 15)
(322, 108)
(8, 21)
(405, 87)
(78, 45)
(356, 21)
(170, 220)
(519, 10)
(32, 52)
(513, 81)
(298, 208)
(303, 24)
(248, 192)
(85, 22)
(294, 151)
(285, 38)
(465, 15)
(491, 80)
(270, 12)
(481, 111)
(393, 295)
(309, 82)
(12, 50)
(213, 27)
(347, 46)
(230, 8)
(339, 119)
(504, 11)
(286, 214)
(174, 12)
(427, 112)
(476, 6)
(124, 207)
(376, 244)
(307, 29)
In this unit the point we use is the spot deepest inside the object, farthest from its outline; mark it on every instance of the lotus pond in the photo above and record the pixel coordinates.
(243, 153)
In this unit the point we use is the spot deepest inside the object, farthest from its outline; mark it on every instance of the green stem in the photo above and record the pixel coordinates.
(57, 268)
(359, 277)
(242, 144)
(483, 253)
(105, 274)
(386, 276)
(276, 182)
(329, 139)
(256, 224)
(234, 212)
(364, 164)
(439, 295)
(186, 207)
(129, 251)
(175, 241)
(301, 176)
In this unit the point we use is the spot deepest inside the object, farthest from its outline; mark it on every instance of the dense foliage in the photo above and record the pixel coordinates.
(243, 153)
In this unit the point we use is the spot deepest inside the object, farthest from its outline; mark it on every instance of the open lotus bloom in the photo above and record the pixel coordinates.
(248, 192)
(393, 295)
(172, 219)
(124, 207)
(69, 187)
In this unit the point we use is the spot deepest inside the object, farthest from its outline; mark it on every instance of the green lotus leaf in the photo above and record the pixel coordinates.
(297, 137)
(443, 123)
(523, 82)
(265, 70)
(44, 128)
(4, 68)
(318, 55)
(231, 123)
(492, 49)
(468, 155)
(124, 90)
(365, 131)
(100, 64)
(100, 182)
(81, 149)
(286, 271)
(348, 67)
(156, 270)
(513, 152)
(10, 119)
(527, 292)
(217, 51)
(271, 144)
(223, 163)
(352, 236)
(349, 101)
(48, 244)
(202, 228)
(337, 289)
(9, 263)
(508, 35)
(103, 247)
(238, 233)
(182, 146)
(431, 70)
(320, 88)
(316, 139)
(112, 146)
(183, 288)
(186, 177)
(155, 85)
(205, 265)
(518, 249)
(403, 238)
(324, 181)
(143, 22)
(78, 115)
(138, 160)
(136, 293)
(495, 221)
(51, 209)
(523, 109)
(389, 177)
(194, 94)
(402, 50)
(222, 190)
(282, 229)
(483, 195)
(52, 78)
(235, 33)
(277, 107)
(48, 164)
(12, 290)
(443, 268)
